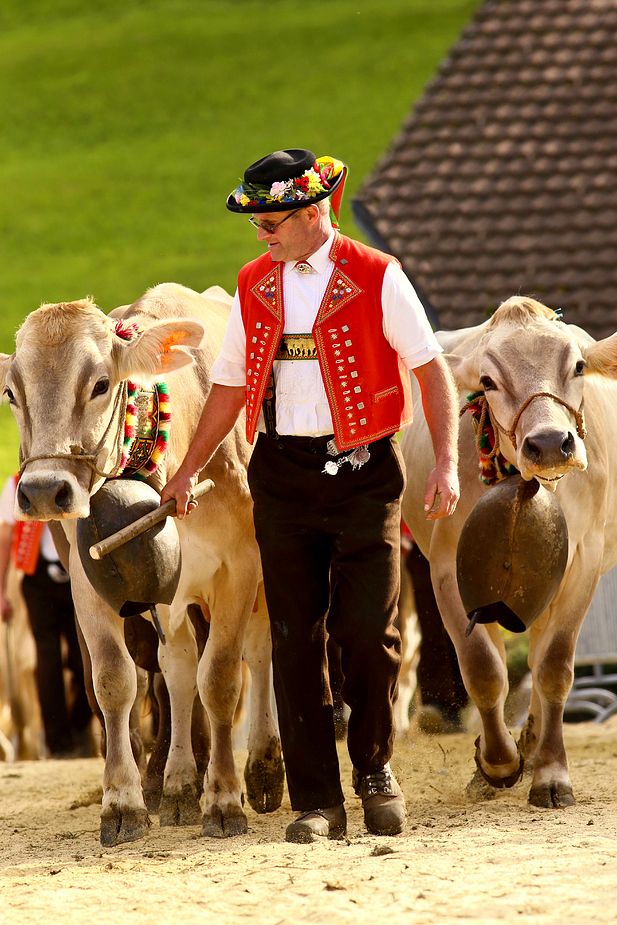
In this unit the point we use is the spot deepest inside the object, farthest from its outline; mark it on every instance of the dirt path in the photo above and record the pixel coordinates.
(490, 862)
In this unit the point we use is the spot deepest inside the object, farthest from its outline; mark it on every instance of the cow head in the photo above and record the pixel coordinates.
(531, 368)
(64, 384)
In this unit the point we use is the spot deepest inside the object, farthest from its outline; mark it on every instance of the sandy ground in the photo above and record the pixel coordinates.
(497, 861)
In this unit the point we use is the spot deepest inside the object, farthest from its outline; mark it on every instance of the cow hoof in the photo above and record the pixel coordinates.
(500, 783)
(218, 825)
(555, 795)
(118, 827)
(478, 790)
(180, 808)
(265, 779)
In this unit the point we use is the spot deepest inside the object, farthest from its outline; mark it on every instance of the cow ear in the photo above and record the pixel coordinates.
(465, 371)
(5, 362)
(601, 357)
(162, 348)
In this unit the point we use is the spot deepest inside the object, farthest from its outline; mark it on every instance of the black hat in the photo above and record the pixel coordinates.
(287, 180)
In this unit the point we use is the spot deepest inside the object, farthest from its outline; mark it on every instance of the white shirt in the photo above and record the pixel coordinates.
(7, 516)
(301, 403)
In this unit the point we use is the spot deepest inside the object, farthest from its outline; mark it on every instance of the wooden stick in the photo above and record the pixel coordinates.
(143, 523)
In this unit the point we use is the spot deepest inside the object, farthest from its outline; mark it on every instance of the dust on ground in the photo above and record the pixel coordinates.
(489, 862)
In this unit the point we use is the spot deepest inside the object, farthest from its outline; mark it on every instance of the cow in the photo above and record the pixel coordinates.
(66, 384)
(21, 724)
(411, 638)
(550, 393)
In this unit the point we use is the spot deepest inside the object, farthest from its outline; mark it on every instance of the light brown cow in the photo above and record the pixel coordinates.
(63, 383)
(21, 724)
(534, 371)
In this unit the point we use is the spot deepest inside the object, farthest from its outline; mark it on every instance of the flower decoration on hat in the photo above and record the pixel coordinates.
(314, 183)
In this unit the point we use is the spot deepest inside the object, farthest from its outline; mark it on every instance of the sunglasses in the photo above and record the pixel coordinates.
(270, 227)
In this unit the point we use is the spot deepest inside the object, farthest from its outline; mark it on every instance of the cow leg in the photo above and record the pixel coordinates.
(408, 625)
(219, 679)
(124, 816)
(179, 804)
(552, 677)
(530, 732)
(551, 658)
(85, 657)
(264, 774)
(137, 743)
(481, 658)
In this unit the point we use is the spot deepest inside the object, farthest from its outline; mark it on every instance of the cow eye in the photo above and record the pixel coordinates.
(10, 396)
(579, 369)
(101, 388)
(487, 383)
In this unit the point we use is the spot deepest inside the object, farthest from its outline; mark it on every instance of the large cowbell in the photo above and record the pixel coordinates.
(144, 571)
(512, 554)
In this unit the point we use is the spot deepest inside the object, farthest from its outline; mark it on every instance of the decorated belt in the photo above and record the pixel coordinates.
(357, 458)
(296, 347)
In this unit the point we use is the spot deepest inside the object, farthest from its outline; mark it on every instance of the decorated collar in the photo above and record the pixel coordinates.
(493, 465)
(147, 421)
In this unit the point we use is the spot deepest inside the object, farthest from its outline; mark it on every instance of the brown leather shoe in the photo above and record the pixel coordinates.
(314, 824)
(383, 801)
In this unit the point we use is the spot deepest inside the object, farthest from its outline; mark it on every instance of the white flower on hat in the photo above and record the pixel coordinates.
(282, 188)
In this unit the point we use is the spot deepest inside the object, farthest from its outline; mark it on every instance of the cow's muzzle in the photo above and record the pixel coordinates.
(47, 497)
(549, 448)
(578, 417)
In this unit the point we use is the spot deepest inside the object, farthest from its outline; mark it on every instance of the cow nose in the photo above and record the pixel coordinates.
(52, 495)
(549, 448)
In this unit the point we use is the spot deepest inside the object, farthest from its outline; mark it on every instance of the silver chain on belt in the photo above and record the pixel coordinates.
(357, 458)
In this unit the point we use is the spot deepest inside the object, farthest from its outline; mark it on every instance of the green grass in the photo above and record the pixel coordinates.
(126, 123)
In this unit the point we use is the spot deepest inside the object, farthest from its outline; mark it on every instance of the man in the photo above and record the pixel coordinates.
(321, 331)
(47, 593)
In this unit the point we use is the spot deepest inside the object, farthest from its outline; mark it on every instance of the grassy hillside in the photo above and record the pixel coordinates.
(126, 123)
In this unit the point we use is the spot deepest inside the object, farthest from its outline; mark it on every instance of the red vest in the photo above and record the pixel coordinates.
(26, 542)
(367, 384)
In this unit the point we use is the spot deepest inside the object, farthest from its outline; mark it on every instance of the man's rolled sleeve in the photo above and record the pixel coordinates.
(229, 368)
(405, 324)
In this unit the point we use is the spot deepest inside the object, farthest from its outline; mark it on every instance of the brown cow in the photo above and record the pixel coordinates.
(534, 371)
(65, 384)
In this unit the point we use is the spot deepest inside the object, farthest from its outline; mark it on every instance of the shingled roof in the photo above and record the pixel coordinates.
(503, 179)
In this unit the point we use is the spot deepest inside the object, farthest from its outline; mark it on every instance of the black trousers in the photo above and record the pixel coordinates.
(52, 616)
(330, 553)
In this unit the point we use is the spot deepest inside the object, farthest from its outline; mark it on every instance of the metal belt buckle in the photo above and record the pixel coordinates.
(332, 449)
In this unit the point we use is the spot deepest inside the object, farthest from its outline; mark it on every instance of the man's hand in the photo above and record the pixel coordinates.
(442, 492)
(181, 488)
(439, 401)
